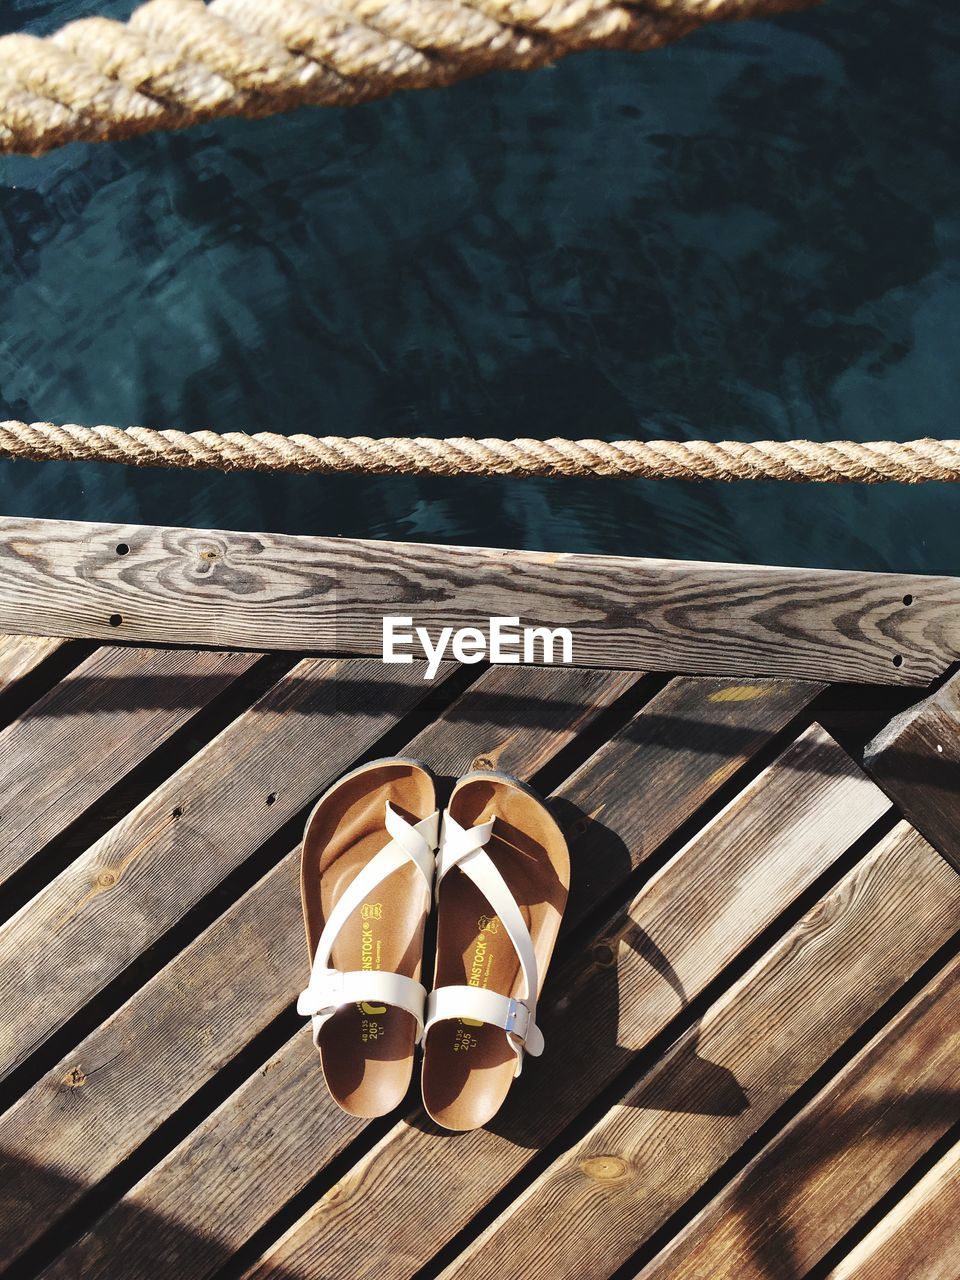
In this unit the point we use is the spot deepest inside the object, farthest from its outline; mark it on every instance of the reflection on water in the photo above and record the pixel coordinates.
(754, 233)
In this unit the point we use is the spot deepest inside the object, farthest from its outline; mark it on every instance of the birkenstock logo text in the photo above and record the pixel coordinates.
(503, 641)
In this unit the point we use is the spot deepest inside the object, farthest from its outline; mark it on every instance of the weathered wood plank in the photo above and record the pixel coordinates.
(518, 718)
(21, 655)
(130, 886)
(92, 728)
(716, 729)
(916, 759)
(604, 1003)
(272, 591)
(917, 1240)
(837, 1157)
(197, 1013)
(763, 1038)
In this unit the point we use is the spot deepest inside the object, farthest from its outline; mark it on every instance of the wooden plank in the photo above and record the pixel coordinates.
(753, 1048)
(916, 759)
(197, 1013)
(268, 1114)
(518, 718)
(604, 1003)
(21, 655)
(837, 1157)
(128, 888)
(92, 728)
(273, 591)
(917, 1240)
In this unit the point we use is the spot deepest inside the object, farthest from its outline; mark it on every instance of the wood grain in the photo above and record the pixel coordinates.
(516, 719)
(21, 655)
(917, 1240)
(837, 1157)
(604, 1003)
(197, 1013)
(91, 921)
(916, 759)
(272, 591)
(213, 1183)
(755, 1046)
(92, 728)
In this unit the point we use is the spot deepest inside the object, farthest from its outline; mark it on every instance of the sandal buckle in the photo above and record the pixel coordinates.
(518, 1019)
(323, 995)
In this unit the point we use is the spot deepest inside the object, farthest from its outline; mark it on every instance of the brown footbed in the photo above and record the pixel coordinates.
(468, 1068)
(367, 1050)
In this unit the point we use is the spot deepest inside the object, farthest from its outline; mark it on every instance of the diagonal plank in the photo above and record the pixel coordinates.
(266, 1123)
(919, 1238)
(193, 1016)
(21, 655)
(758, 1043)
(601, 1006)
(837, 1157)
(916, 759)
(128, 888)
(92, 728)
(275, 591)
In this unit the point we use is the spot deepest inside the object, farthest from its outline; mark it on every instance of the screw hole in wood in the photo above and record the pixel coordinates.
(122, 549)
(116, 619)
(908, 599)
(898, 659)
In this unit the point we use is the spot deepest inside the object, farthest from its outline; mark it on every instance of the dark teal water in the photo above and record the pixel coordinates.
(754, 233)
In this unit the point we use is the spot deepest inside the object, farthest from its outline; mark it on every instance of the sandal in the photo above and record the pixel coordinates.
(503, 875)
(366, 879)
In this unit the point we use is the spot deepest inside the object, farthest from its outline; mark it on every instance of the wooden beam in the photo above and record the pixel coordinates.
(916, 759)
(312, 594)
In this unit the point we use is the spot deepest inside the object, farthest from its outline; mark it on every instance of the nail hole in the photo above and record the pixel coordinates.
(908, 599)
(115, 619)
(122, 549)
(898, 659)
(272, 798)
(178, 812)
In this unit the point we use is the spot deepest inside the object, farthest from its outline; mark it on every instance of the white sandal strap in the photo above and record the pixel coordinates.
(415, 843)
(463, 848)
(330, 990)
(477, 1004)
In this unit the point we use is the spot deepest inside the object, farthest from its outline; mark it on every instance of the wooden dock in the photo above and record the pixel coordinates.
(752, 1065)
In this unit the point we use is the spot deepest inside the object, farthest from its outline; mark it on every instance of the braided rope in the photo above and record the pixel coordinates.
(177, 62)
(910, 462)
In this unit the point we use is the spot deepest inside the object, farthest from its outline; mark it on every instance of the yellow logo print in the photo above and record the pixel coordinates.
(372, 911)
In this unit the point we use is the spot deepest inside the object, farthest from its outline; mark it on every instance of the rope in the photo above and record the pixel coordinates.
(910, 462)
(177, 62)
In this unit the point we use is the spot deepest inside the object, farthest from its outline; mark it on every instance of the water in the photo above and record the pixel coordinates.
(751, 234)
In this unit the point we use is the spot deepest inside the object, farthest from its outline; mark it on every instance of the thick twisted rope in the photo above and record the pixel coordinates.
(909, 462)
(177, 62)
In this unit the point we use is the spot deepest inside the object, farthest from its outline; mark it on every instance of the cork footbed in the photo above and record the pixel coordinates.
(367, 1049)
(468, 1067)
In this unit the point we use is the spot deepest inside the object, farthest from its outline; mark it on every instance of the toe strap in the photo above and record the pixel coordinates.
(517, 1018)
(331, 989)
